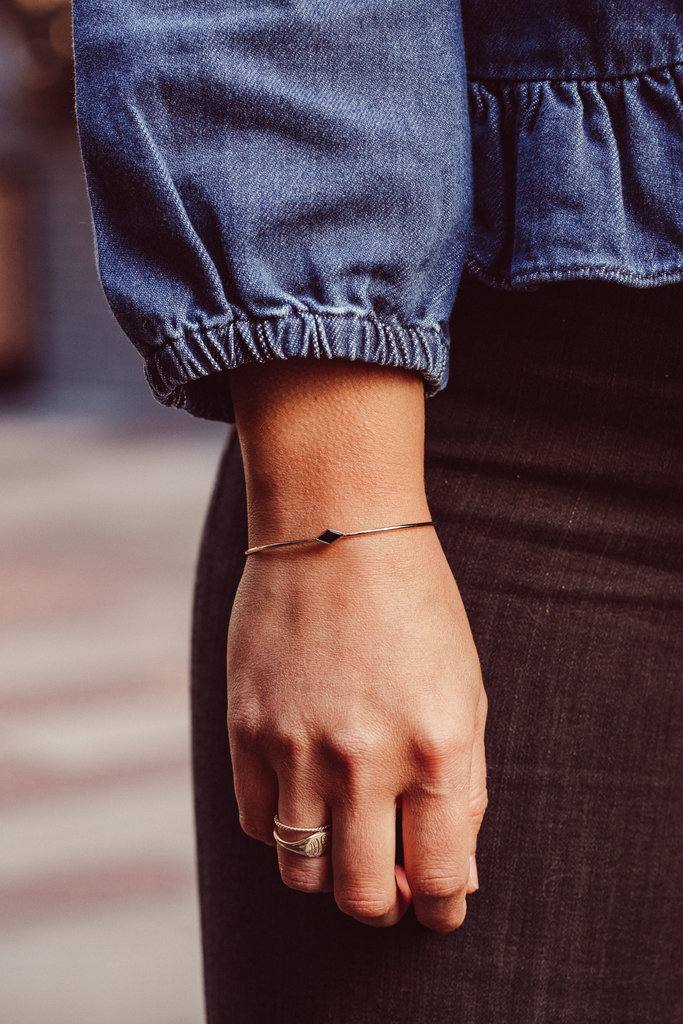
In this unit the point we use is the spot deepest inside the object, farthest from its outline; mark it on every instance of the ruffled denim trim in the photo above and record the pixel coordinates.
(578, 179)
(185, 372)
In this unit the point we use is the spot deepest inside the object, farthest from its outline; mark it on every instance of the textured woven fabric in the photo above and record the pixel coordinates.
(554, 477)
(272, 180)
(577, 140)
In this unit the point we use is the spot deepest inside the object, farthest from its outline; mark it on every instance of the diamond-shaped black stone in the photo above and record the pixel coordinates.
(329, 536)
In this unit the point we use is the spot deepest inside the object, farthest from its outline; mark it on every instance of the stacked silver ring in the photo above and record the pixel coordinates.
(315, 844)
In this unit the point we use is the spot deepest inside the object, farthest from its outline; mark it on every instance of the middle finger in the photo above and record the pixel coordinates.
(364, 860)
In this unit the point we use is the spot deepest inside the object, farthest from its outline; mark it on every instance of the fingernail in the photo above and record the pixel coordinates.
(474, 877)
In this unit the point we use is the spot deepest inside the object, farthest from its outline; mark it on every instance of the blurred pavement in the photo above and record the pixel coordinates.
(102, 496)
(99, 525)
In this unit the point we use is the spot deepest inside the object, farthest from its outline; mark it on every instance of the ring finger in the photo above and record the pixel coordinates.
(302, 810)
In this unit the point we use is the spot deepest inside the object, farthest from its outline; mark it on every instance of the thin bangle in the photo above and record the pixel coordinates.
(328, 537)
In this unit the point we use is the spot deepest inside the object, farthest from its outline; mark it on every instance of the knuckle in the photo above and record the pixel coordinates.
(437, 886)
(448, 922)
(245, 724)
(366, 906)
(437, 747)
(299, 879)
(256, 829)
(350, 751)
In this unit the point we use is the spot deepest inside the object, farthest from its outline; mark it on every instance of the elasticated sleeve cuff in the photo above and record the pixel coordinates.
(188, 372)
(275, 181)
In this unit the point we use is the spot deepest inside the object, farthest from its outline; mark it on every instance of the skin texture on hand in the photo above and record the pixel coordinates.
(353, 680)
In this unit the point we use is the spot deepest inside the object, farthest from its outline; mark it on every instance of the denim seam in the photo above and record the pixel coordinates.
(476, 79)
(602, 271)
(165, 338)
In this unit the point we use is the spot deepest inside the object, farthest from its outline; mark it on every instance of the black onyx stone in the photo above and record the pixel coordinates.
(329, 536)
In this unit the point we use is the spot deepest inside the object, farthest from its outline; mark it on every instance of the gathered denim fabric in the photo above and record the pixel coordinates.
(295, 178)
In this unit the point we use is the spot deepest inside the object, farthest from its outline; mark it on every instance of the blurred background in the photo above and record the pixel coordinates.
(103, 495)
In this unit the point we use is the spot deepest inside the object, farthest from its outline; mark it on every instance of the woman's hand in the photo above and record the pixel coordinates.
(354, 684)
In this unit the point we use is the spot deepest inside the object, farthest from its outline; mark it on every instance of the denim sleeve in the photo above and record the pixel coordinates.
(272, 180)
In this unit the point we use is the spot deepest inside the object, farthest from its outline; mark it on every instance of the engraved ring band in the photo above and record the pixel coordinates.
(315, 844)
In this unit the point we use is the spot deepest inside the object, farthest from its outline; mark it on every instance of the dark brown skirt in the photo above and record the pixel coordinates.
(553, 475)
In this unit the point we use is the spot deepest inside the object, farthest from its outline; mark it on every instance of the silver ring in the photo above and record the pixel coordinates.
(300, 828)
(314, 845)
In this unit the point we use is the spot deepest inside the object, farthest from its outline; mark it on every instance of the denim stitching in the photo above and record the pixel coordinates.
(165, 338)
(602, 271)
(475, 79)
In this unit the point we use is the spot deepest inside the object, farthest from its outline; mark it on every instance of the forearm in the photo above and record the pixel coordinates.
(329, 443)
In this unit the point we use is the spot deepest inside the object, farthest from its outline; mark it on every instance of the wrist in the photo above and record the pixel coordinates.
(329, 443)
(303, 525)
(398, 552)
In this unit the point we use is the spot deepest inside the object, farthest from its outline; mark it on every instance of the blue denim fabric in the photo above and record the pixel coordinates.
(309, 178)
(577, 138)
(272, 180)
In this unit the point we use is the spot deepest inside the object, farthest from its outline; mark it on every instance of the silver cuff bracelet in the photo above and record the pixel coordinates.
(328, 537)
